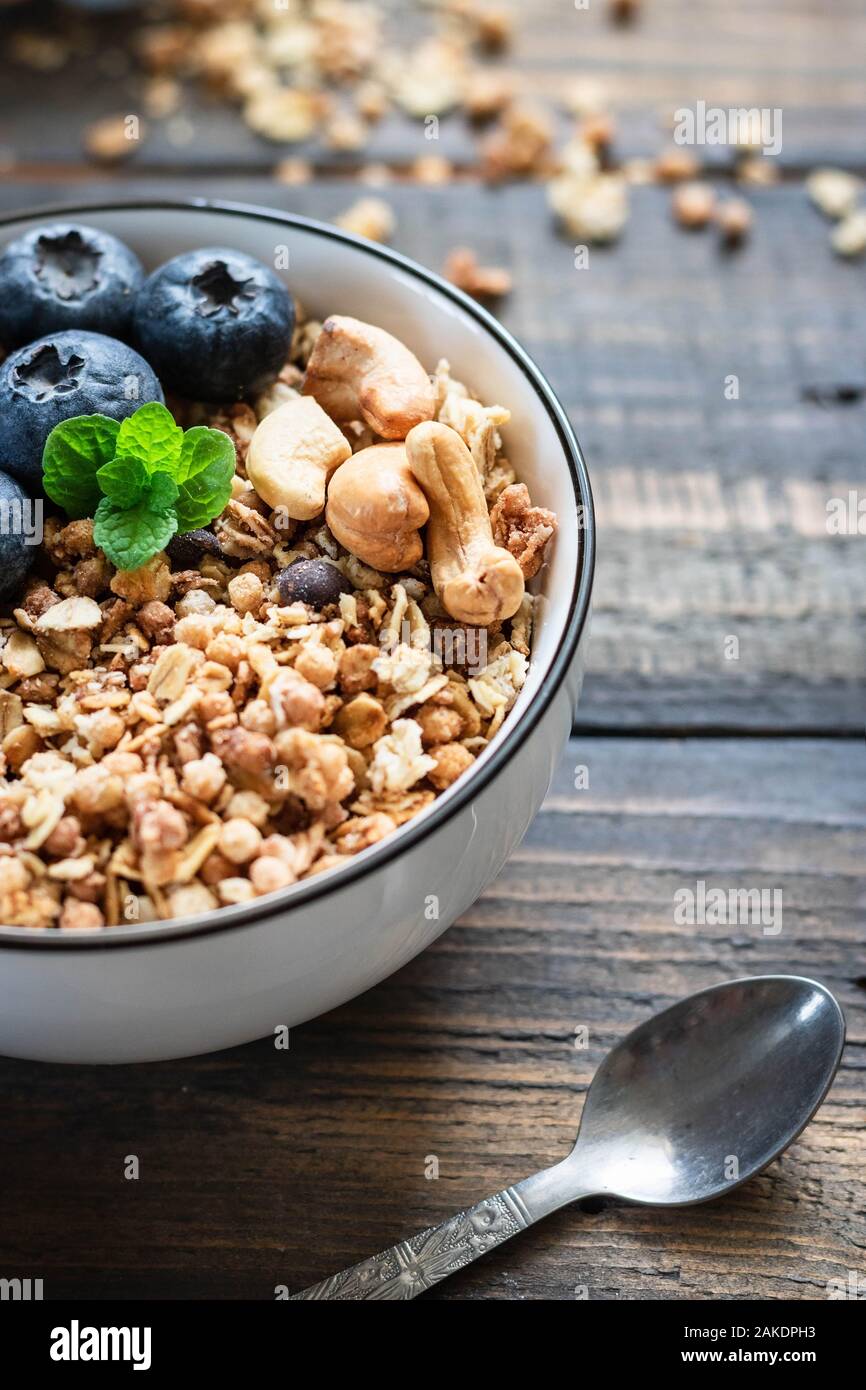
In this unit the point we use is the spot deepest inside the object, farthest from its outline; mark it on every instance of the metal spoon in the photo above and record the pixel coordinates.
(691, 1104)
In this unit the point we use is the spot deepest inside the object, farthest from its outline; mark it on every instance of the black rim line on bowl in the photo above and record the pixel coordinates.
(299, 894)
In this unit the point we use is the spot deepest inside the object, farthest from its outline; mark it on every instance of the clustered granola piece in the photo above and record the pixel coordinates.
(522, 528)
(180, 737)
(368, 217)
(481, 281)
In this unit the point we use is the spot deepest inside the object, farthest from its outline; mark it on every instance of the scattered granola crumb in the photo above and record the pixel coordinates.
(162, 97)
(113, 138)
(757, 171)
(734, 221)
(676, 165)
(834, 191)
(431, 169)
(371, 100)
(346, 131)
(39, 51)
(482, 282)
(848, 237)
(293, 172)
(488, 93)
(693, 205)
(623, 11)
(283, 114)
(369, 217)
(592, 206)
(598, 133)
(494, 28)
(586, 96)
(520, 144)
(430, 80)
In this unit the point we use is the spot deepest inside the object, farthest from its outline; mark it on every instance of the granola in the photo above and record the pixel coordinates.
(201, 731)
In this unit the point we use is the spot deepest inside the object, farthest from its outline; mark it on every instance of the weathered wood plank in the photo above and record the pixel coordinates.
(712, 511)
(801, 60)
(261, 1168)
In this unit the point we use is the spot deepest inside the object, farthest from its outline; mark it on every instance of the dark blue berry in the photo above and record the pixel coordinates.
(19, 535)
(216, 324)
(58, 376)
(314, 582)
(66, 276)
(185, 551)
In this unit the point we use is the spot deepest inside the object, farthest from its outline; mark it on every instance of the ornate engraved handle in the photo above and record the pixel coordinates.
(415, 1265)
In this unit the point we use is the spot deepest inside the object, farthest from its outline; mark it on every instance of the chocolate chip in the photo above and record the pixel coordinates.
(185, 551)
(314, 582)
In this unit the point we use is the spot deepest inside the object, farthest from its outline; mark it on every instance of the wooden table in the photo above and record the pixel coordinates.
(262, 1168)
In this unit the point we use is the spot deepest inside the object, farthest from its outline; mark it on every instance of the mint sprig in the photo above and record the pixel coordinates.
(142, 479)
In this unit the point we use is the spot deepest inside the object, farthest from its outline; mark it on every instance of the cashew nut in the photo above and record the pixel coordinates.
(375, 508)
(357, 371)
(292, 455)
(475, 580)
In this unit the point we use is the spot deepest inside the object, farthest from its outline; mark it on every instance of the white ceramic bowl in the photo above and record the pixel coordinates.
(143, 992)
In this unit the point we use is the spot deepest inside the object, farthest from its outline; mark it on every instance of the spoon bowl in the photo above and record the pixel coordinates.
(692, 1103)
(704, 1095)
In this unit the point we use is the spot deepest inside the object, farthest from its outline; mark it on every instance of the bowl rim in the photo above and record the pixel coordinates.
(376, 856)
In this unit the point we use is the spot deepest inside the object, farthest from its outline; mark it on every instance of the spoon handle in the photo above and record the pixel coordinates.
(415, 1265)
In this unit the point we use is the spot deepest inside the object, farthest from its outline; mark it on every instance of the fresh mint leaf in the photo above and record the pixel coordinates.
(74, 452)
(162, 492)
(151, 436)
(123, 480)
(141, 480)
(204, 475)
(130, 536)
(201, 447)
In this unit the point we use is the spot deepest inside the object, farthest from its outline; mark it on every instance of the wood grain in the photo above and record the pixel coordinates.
(801, 58)
(262, 1168)
(712, 511)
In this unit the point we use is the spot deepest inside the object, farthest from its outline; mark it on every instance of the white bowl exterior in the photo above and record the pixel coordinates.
(197, 993)
(201, 993)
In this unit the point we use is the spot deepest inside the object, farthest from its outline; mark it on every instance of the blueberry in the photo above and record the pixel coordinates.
(215, 324)
(185, 551)
(58, 376)
(314, 582)
(66, 276)
(17, 535)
